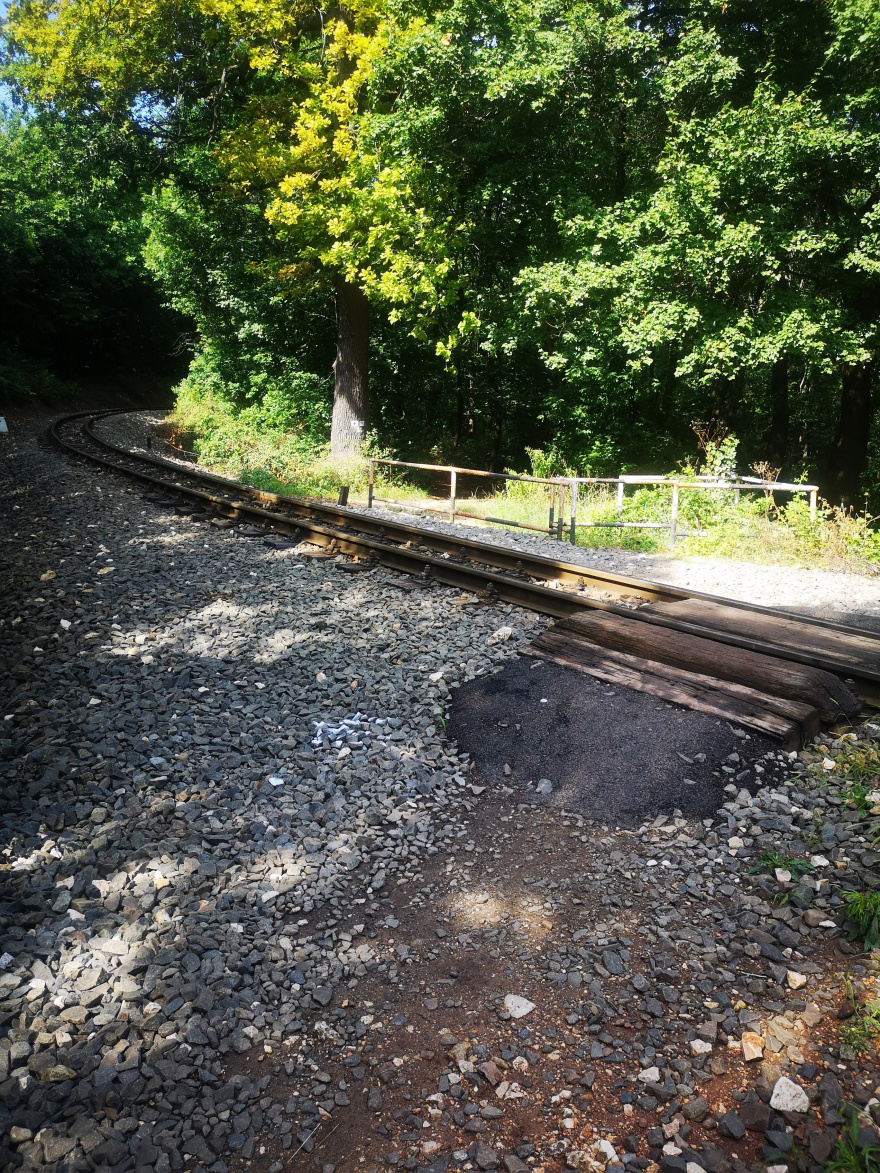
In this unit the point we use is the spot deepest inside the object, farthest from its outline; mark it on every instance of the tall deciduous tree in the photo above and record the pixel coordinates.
(753, 249)
(279, 94)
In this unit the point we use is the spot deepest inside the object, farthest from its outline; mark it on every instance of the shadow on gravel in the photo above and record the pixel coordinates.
(615, 754)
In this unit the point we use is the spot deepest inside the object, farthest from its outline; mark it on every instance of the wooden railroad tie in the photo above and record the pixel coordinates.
(774, 697)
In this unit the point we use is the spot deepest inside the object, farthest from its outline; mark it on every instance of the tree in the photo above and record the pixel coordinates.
(75, 302)
(750, 251)
(275, 92)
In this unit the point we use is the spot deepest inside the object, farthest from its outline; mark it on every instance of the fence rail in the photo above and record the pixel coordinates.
(562, 487)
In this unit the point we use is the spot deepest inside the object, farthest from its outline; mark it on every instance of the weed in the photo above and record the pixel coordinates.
(812, 836)
(860, 795)
(771, 860)
(863, 909)
(850, 1157)
(863, 1029)
(860, 762)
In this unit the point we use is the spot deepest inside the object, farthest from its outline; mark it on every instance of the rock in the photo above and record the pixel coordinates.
(374, 1100)
(485, 1156)
(813, 917)
(715, 1161)
(518, 1007)
(752, 1046)
(600, 1154)
(111, 1152)
(55, 1148)
(512, 1164)
(755, 1115)
(19, 1135)
(789, 1097)
(830, 1091)
(612, 962)
(795, 980)
(696, 1110)
(649, 1075)
(673, 1164)
(732, 1126)
(700, 1047)
(821, 1145)
(779, 1141)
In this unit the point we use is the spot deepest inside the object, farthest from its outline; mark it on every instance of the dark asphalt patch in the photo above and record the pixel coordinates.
(609, 751)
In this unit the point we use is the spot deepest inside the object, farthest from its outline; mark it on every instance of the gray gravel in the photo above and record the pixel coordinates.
(238, 845)
(182, 792)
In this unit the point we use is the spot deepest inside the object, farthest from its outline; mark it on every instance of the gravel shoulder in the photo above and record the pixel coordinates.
(260, 911)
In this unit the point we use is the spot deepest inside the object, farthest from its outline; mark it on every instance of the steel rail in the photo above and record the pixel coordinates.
(453, 560)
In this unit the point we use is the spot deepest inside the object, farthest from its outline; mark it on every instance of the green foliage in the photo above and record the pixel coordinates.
(769, 861)
(580, 226)
(860, 762)
(75, 302)
(850, 1157)
(863, 909)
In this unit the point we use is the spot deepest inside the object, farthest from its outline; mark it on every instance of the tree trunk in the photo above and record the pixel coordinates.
(351, 390)
(850, 453)
(776, 442)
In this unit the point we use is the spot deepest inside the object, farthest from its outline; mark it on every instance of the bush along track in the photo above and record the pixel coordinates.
(258, 913)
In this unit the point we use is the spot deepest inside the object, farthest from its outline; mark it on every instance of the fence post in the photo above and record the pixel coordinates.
(620, 488)
(452, 487)
(572, 533)
(814, 503)
(550, 523)
(673, 517)
(370, 488)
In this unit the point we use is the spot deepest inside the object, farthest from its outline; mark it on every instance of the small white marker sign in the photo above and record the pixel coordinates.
(3, 427)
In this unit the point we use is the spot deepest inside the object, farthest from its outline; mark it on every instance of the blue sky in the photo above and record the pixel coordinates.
(4, 92)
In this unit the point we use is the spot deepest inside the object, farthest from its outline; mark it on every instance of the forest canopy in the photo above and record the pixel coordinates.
(466, 229)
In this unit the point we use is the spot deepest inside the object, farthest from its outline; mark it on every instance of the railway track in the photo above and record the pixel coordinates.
(762, 667)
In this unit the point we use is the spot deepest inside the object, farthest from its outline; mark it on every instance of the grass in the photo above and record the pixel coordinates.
(849, 1157)
(859, 762)
(863, 909)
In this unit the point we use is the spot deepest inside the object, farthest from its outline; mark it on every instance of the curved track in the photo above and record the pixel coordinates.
(549, 585)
